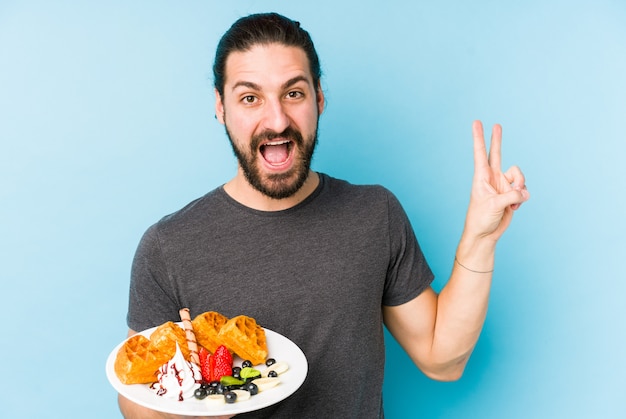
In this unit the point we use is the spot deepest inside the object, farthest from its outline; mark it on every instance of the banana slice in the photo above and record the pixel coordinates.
(215, 400)
(266, 383)
(242, 395)
(279, 367)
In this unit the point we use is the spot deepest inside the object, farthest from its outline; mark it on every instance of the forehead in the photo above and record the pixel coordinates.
(266, 65)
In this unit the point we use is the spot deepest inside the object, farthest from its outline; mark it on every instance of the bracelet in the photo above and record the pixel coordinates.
(471, 270)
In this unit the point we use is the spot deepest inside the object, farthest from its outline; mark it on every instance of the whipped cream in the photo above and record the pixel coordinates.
(178, 379)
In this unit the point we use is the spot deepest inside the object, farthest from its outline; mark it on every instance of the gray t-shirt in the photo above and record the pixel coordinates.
(317, 273)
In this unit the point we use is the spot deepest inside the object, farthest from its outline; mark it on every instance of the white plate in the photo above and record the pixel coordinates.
(279, 348)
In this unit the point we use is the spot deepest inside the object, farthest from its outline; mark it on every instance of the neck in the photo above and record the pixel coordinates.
(241, 191)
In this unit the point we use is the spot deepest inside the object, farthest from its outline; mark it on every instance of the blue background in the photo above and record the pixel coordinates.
(106, 124)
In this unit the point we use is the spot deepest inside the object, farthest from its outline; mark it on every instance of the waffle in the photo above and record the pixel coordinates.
(246, 338)
(166, 336)
(139, 358)
(138, 361)
(206, 327)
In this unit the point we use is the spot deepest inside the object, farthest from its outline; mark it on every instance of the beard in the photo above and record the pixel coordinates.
(276, 185)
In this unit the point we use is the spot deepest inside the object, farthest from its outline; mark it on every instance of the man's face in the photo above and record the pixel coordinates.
(270, 109)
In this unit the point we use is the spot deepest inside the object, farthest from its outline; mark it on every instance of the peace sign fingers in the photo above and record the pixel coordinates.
(481, 159)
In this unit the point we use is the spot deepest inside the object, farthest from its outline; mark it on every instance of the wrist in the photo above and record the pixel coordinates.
(456, 260)
(476, 255)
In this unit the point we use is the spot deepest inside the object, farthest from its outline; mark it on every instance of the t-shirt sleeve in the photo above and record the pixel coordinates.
(408, 274)
(152, 298)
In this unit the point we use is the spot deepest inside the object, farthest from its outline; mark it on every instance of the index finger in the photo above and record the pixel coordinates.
(480, 149)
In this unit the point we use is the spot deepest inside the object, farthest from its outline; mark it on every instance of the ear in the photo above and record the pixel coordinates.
(319, 93)
(219, 107)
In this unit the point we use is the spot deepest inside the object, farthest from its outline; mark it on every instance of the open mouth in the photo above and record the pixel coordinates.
(276, 153)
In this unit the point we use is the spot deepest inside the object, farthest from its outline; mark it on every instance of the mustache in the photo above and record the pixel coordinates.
(289, 133)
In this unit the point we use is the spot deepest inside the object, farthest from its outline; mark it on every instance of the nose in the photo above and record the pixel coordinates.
(275, 117)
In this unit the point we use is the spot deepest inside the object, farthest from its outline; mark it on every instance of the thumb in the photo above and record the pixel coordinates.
(513, 198)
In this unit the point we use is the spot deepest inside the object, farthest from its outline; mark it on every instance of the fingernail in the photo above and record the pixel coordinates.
(525, 194)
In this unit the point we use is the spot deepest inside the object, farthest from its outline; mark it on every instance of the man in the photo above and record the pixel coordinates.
(316, 259)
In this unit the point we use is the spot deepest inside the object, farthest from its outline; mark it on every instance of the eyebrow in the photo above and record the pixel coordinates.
(294, 80)
(285, 85)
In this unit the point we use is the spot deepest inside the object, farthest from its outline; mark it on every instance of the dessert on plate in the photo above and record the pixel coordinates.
(139, 359)
(246, 338)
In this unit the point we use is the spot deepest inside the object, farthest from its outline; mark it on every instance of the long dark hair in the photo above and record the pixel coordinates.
(263, 28)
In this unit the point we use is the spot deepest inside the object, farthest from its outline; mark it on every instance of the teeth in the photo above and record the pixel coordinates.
(277, 142)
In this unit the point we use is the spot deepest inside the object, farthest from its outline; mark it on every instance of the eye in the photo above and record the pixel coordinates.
(294, 94)
(249, 99)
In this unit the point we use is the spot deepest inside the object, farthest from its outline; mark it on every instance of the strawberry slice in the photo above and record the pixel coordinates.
(223, 363)
(210, 361)
(205, 367)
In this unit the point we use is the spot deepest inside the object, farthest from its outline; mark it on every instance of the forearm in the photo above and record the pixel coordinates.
(462, 307)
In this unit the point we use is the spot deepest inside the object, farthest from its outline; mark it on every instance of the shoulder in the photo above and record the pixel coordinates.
(365, 196)
(362, 191)
(199, 211)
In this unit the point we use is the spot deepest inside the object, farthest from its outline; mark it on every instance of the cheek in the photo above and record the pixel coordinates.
(305, 120)
(312, 121)
(239, 126)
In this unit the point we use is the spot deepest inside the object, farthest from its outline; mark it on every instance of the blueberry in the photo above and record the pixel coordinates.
(200, 393)
(270, 362)
(220, 388)
(230, 397)
(246, 364)
(251, 388)
(272, 373)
